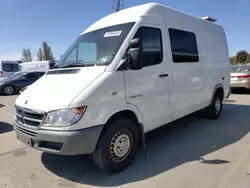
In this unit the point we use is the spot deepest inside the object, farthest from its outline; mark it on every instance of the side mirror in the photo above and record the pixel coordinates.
(134, 54)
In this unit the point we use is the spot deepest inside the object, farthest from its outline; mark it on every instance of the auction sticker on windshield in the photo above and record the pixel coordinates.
(112, 34)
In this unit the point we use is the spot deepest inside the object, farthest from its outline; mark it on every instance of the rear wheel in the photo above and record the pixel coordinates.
(8, 90)
(213, 111)
(117, 146)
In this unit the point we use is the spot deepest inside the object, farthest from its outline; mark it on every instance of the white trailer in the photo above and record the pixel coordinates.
(42, 66)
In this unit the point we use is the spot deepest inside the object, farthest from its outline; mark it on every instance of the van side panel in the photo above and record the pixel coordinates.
(103, 98)
(215, 62)
(194, 83)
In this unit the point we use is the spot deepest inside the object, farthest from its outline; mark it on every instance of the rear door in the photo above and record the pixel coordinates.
(148, 88)
(9, 68)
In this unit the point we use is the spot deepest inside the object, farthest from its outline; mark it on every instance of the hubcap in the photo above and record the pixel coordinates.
(217, 105)
(120, 145)
(8, 90)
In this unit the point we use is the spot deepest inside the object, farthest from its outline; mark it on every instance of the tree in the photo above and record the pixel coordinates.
(233, 60)
(39, 55)
(26, 55)
(45, 53)
(248, 58)
(241, 56)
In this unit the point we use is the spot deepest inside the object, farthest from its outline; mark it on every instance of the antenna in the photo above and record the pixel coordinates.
(118, 5)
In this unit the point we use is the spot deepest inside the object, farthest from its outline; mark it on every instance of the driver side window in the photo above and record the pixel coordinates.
(151, 41)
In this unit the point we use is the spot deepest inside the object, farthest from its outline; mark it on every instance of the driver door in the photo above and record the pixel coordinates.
(28, 79)
(148, 88)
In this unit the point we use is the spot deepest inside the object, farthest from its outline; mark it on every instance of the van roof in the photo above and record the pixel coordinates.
(134, 13)
(35, 62)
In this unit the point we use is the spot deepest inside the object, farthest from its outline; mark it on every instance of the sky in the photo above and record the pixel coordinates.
(26, 23)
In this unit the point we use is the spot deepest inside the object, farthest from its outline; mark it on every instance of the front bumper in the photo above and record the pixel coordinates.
(75, 142)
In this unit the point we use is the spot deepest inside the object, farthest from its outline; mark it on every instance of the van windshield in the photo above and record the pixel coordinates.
(95, 48)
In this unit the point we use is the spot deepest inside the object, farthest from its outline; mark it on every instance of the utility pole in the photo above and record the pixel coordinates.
(117, 5)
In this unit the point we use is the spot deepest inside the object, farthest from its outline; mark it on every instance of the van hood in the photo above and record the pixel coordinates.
(57, 88)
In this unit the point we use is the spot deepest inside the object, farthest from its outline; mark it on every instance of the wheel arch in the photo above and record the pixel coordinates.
(218, 88)
(132, 115)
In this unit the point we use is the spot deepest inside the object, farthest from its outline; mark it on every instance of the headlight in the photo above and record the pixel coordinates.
(65, 117)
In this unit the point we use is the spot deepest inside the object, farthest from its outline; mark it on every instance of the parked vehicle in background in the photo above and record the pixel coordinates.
(7, 68)
(125, 75)
(18, 81)
(240, 76)
(36, 66)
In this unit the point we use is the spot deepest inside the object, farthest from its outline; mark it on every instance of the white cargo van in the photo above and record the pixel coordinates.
(42, 66)
(127, 74)
(7, 68)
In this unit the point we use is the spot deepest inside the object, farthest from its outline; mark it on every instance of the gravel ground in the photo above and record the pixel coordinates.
(191, 152)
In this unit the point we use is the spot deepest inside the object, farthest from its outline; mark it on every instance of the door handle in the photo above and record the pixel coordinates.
(163, 75)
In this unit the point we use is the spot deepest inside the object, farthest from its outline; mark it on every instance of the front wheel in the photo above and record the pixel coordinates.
(8, 90)
(117, 146)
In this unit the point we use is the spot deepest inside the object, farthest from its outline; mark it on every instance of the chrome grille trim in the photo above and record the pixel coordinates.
(32, 119)
(29, 117)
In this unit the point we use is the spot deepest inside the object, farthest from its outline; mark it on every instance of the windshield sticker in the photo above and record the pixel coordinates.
(112, 34)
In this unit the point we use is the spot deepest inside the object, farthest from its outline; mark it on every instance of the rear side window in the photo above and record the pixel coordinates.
(151, 45)
(9, 67)
(184, 46)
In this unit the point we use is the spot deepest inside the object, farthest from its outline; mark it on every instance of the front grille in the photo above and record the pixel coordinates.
(28, 117)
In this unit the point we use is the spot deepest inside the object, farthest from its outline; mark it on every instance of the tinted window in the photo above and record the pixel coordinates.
(32, 75)
(9, 67)
(151, 45)
(40, 74)
(183, 46)
(51, 65)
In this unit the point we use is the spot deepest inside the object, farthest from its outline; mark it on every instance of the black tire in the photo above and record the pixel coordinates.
(8, 90)
(213, 111)
(106, 158)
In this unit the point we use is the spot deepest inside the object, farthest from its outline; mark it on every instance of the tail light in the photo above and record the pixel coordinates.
(1, 74)
(245, 76)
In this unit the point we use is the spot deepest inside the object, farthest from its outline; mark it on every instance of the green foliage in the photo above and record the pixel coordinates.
(242, 57)
(39, 55)
(233, 60)
(45, 52)
(248, 58)
(26, 55)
